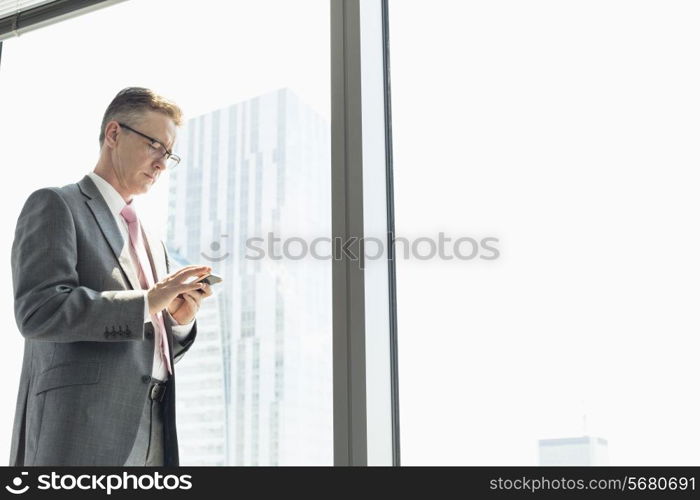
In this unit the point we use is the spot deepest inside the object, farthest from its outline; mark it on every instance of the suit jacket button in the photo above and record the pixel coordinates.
(145, 379)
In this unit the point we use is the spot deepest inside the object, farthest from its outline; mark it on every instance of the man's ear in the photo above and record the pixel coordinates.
(111, 133)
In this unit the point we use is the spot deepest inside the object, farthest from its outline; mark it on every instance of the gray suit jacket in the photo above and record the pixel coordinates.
(88, 355)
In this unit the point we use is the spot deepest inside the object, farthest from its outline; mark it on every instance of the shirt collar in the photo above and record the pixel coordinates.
(114, 200)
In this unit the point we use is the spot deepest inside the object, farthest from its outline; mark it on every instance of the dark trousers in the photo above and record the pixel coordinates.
(148, 448)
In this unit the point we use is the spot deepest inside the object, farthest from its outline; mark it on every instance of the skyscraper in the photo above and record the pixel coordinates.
(256, 169)
(201, 397)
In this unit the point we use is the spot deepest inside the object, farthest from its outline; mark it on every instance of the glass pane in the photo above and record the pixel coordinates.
(568, 131)
(253, 78)
(376, 275)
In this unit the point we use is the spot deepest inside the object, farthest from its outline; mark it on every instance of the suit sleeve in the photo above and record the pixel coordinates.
(50, 304)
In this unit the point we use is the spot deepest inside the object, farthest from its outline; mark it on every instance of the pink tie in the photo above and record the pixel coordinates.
(146, 279)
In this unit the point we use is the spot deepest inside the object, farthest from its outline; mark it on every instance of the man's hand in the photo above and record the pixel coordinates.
(184, 308)
(162, 293)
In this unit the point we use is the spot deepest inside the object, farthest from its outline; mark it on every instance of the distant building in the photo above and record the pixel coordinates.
(585, 450)
(201, 399)
(256, 387)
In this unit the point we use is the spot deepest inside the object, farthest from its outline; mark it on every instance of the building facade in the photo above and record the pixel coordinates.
(254, 182)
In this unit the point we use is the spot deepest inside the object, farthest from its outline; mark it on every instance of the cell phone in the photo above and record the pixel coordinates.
(211, 279)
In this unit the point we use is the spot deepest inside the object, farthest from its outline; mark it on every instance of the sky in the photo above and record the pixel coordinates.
(568, 130)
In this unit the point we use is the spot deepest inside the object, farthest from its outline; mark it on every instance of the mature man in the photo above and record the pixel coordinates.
(103, 322)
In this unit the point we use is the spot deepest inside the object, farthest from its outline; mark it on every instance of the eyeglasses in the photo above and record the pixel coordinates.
(156, 149)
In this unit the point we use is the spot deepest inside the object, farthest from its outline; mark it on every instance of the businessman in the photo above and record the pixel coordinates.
(103, 320)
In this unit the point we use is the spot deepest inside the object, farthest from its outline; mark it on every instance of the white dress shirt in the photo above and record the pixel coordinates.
(116, 203)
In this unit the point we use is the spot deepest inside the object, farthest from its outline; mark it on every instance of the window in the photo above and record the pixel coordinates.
(569, 132)
(253, 79)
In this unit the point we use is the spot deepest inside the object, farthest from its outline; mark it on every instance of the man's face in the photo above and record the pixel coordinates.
(135, 158)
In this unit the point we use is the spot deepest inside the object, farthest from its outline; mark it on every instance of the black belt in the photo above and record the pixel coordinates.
(157, 392)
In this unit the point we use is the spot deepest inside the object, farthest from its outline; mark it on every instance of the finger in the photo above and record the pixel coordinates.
(185, 269)
(207, 291)
(197, 271)
(193, 303)
(196, 295)
(191, 271)
(187, 287)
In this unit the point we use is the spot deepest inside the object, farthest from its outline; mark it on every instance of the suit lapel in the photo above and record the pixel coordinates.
(108, 226)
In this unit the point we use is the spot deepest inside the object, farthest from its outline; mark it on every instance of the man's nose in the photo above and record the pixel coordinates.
(159, 164)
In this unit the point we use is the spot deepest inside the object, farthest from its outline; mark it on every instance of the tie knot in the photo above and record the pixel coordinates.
(128, 213)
